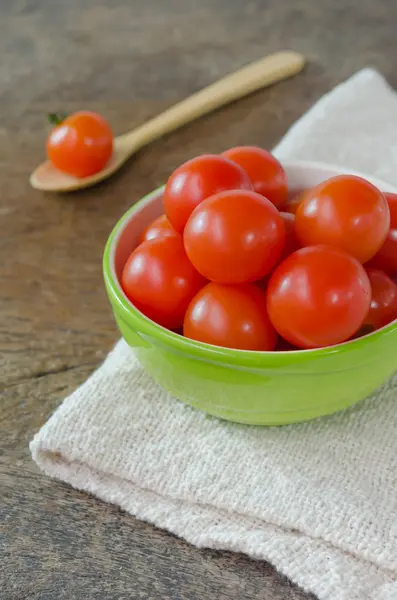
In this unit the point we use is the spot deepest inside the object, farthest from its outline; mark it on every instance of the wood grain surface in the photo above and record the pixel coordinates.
(128, 59)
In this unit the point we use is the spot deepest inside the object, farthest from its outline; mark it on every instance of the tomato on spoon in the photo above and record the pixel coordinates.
(80, 144)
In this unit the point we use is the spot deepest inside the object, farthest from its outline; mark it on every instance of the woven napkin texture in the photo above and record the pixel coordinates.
(318, 500)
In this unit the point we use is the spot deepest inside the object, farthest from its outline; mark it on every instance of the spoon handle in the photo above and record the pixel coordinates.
(256, 75)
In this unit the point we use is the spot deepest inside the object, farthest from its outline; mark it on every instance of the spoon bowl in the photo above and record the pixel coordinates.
(49, 179)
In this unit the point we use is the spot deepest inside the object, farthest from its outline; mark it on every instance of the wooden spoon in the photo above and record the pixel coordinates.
(259, 74)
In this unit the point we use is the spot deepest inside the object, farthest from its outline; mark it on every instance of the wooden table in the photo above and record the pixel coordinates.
(128, 59)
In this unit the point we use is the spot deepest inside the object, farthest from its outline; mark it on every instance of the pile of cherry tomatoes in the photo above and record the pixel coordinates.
(236, 262)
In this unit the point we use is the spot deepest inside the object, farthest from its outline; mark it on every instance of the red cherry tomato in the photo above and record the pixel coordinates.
(160, 281)
(383, 308)
(386, 257)
(264, 170)
(230, 316)
(81, 145)
(234, 237)
(347, 212)
(196, 180)
(318, 296)
(291, 241)
(160, 227)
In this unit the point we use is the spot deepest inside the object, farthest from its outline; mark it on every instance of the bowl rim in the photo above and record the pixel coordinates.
(148, 329)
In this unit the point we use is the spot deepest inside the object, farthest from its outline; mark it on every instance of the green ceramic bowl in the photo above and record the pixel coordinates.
(258, 388)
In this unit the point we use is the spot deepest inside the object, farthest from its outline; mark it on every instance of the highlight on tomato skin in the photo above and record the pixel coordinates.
(80, 144)
(347, 212)
(196, 180)
(231, 317)
(234, 237)
(386, 257)
(266, 173)
(319, 296)
(160, 281)
(383, 307)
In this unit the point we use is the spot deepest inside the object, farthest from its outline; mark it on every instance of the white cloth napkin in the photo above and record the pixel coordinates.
(317, 500)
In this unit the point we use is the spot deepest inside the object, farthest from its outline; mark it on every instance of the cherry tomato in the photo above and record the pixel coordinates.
(347, 212)
(296, 200)
(318, 296)
(383, 308)
(160, 281)
(386, 257)
(291, 241)
(264, 170)
(196, 180)
(234, 237)
(81, 145)
(160, 227)
(230, 316)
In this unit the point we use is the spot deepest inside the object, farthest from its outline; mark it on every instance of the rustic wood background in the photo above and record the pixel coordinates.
(128, 59)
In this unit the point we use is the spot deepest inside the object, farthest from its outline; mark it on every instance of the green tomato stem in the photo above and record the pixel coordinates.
(56, 118)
